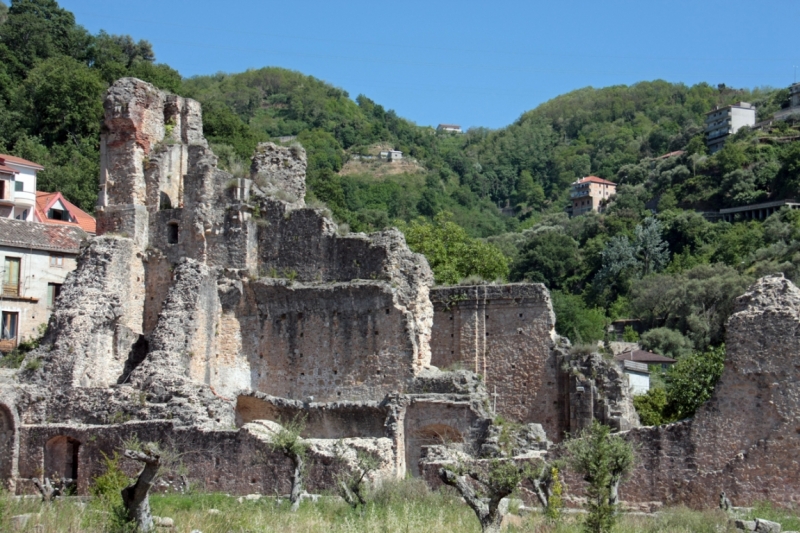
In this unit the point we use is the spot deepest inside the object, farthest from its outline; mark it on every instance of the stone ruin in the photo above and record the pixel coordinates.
(211, 307)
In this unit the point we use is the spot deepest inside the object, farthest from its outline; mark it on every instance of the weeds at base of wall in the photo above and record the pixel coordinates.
(15, 357)
(406, 506)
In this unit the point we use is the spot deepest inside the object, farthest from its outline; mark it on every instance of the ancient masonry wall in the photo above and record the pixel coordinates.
(505, 333)
(203, 291)
(745, 439)
(233, 461)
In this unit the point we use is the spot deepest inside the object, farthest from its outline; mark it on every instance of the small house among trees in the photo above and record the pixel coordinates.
(448, 128)
(589, 194)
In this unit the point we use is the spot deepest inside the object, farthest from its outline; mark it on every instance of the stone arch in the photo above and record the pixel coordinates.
(164, 201)
(61, 458)
(430, 435)
(7, 446)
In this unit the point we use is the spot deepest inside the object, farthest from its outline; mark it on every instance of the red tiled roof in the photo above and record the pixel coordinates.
(643, 356)
(595, 179)
(18, 160)
(678, 152)
(36, 236)
(8, 170)
(45, 200)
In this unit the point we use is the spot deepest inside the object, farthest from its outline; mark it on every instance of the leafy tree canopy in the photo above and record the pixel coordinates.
(452, 254)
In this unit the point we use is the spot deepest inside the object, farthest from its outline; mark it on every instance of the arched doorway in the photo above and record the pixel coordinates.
(61, 458)
(433, 434)
(6, 446)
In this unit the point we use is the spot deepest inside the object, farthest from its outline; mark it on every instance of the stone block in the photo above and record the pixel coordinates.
(766, 526)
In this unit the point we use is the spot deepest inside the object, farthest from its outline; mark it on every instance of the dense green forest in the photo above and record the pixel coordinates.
(482, 206)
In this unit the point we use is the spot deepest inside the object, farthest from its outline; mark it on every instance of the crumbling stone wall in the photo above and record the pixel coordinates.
(596, 389)
(9, 435)
(209, 302)
(321, 420)
(746, 438)
(505, 333)
(232, 461)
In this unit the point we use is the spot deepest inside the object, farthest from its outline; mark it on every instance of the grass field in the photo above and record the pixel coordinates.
(403, 507)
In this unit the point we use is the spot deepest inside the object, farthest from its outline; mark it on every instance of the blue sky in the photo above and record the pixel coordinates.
(467, 62)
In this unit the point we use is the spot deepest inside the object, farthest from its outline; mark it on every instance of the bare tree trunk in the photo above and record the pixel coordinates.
(489, 514)
(541, 493)
(45, 488)
(297, 481)
(613, 495)
(136, 497)
(50, 490)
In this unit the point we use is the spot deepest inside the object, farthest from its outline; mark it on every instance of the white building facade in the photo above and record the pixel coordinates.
(35, 259)
(17, 187)
(725, 121)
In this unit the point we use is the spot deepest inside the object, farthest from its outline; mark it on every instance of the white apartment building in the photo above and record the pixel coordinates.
(724, 121)
(18, 187)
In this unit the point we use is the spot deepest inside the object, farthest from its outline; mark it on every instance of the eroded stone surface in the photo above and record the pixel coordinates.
(745, 438)
(211, 306)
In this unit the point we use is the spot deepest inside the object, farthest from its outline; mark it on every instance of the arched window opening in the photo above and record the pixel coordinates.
(164, 201)
(61, 458)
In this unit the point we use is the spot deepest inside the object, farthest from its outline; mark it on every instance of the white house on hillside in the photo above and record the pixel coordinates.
(448, 128)
(18, 187)
(40, 238)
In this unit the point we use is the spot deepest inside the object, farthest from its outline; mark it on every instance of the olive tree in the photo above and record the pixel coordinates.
(351, 481)
(287, 441)
(483, 487)
(603, 460)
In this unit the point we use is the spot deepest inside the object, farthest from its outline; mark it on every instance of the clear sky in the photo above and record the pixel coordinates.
(467, 62)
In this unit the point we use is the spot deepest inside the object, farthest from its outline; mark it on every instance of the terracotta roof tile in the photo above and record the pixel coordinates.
(83, 219)
(18, 160)
(595, 179)
(38, 236)
(643, 356)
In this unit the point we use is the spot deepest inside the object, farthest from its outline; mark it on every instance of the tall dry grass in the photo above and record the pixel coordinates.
(401, 507)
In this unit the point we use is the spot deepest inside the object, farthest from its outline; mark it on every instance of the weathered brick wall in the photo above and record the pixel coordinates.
(8, 446)
(745, 439)
(505, 333)
(321, 420)
(344, 341)
(235, 461)
(305, 243)
(431, 421)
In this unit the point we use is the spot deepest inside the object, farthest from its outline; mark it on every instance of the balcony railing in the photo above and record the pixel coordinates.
(25, 198)
(7, 345)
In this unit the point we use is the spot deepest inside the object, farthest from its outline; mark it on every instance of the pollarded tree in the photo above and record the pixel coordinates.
(352, 479)
(494, 482)
(544, 477)
(603, 460)
(136, 497)
(288, 442)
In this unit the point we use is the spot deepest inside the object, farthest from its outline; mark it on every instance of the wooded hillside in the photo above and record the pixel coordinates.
(483, 205)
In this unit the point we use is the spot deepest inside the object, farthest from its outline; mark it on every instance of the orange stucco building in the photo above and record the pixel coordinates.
(588, 193)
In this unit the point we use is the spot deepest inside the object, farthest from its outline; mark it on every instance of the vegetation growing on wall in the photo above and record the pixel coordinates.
(651, 255)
